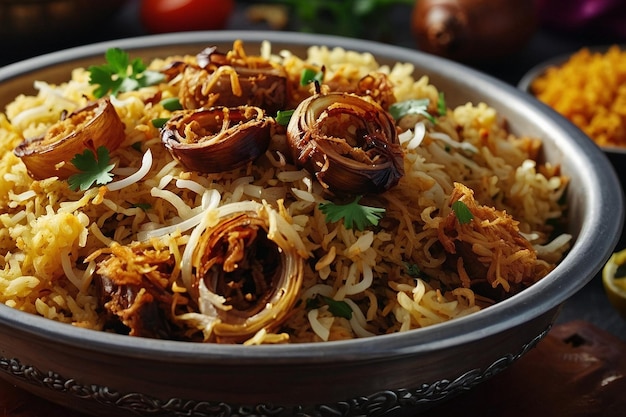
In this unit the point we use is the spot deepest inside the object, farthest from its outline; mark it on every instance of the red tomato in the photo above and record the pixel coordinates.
(161, 16)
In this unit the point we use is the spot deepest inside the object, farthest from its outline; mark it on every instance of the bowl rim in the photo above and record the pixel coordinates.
(518, 309)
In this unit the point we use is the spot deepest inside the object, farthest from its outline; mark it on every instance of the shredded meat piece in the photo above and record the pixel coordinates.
(489, 248)
(133, 287)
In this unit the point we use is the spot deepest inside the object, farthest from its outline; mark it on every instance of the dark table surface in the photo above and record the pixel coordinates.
(589, 305)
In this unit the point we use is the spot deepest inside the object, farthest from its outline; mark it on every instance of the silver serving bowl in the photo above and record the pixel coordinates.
(109, 374)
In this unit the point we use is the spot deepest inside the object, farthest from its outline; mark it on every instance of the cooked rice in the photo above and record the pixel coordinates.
(589, 89)
(48, 231)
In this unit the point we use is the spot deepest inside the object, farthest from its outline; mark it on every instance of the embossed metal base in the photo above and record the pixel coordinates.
(383, 403)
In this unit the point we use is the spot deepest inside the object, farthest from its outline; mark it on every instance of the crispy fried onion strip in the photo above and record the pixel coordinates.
(489, 248)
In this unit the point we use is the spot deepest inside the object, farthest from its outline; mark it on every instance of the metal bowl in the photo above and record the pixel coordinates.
(108, 374)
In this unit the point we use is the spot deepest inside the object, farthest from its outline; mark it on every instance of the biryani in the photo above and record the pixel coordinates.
(588, 89)
(262, 197)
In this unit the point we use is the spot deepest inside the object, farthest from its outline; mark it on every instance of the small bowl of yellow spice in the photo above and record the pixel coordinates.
(588, 87)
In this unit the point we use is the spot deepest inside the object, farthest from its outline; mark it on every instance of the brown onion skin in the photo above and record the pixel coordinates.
(473, 30)
(314, 141)
(50, 155)
(219, 148)
(235, 258)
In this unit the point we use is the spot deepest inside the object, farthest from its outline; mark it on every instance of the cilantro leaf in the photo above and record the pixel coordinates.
(413, 270)
(137, 146)
(442, 107)
(171, 104)
(310, 75)
(313, 303)
(143, 206)
(462, 212)
(159, 122)
(338, 308)
(94, 169)
(413, 106)
(119, 74)
(353, 214)
(284, 116)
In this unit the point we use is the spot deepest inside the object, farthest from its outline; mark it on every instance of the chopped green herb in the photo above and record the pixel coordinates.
(94, 169)
(462, 212)
(353, 214)
(413, 270)
(310, 75)
(120, 74)
(143, 206)
(159, 122)
(414, 106)
(171, 104)
(283, 117)
(313, 303)
(442, 107)
(137, 146)
(338, 308)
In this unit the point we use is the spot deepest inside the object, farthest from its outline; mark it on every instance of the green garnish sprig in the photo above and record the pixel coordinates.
(354, 215)
(94, 169)
(309, 76)
(337, 308)
(120, 74)
(462, 212)
(284, 116)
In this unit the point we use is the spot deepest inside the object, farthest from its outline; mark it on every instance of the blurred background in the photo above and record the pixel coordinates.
(502, 37)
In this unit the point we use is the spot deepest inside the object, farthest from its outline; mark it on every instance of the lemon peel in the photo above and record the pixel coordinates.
(614, 282)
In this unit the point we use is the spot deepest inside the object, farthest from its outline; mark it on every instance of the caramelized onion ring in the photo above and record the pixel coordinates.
(217, 139)
(90, 127)
(248, 270)
(350, 144)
